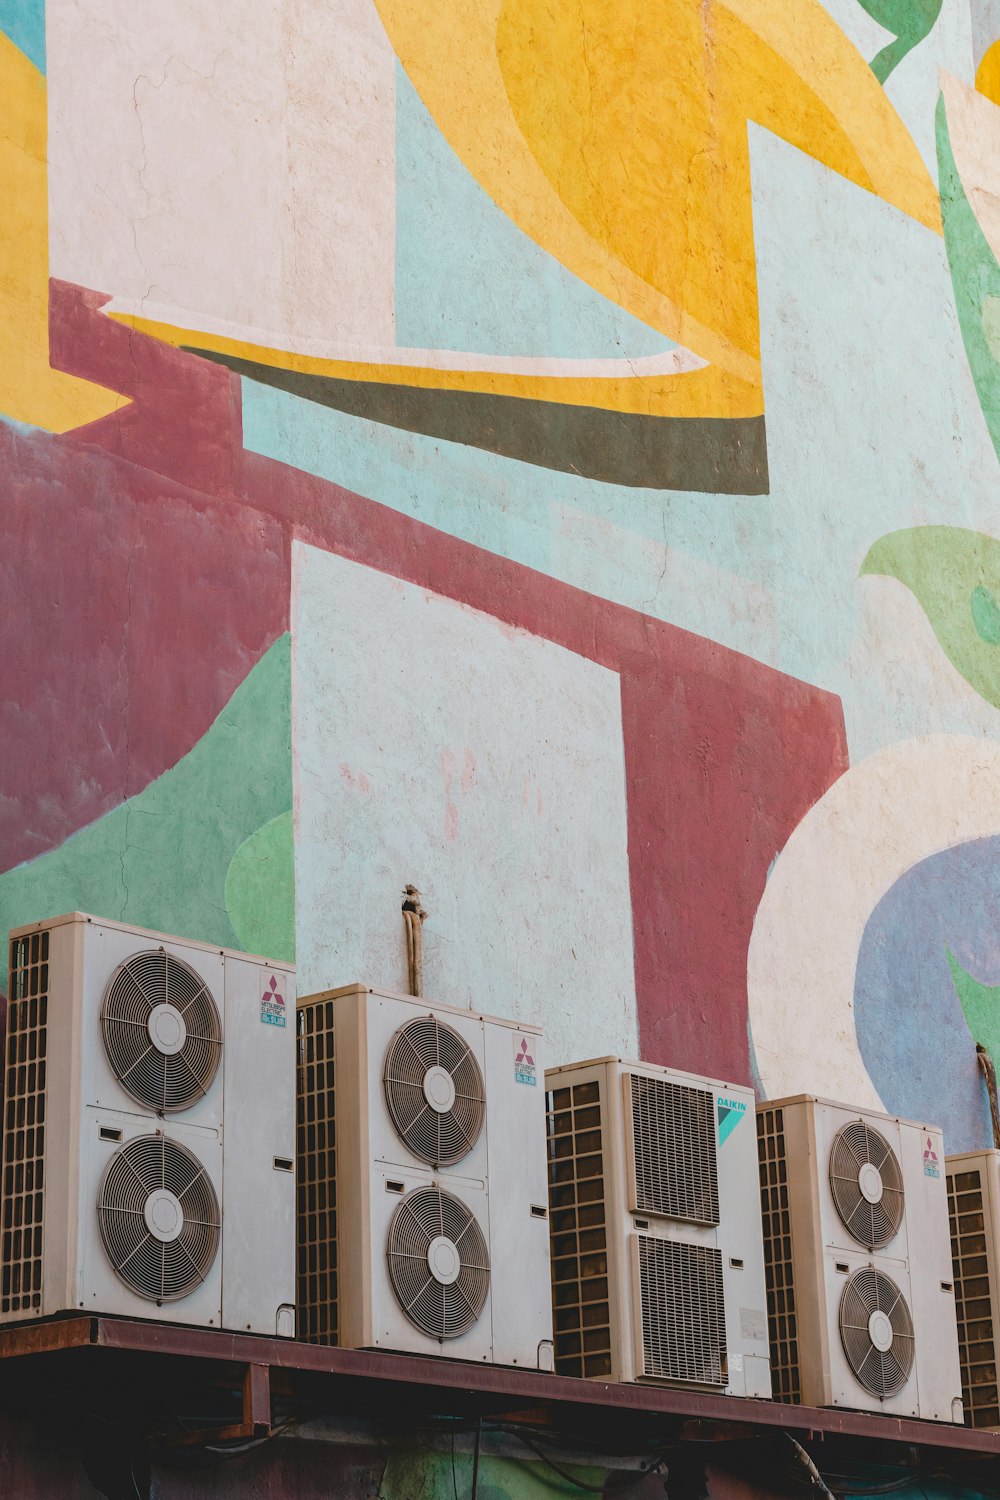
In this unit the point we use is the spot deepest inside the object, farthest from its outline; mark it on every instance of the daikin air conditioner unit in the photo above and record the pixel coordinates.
(974, 1205)
(148, 1129)
(657, 1260)
(422, 1222)
(861, 1297)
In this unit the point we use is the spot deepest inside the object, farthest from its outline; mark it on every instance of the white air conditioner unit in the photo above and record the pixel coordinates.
(148, 1129)
(657, 1260)
(974, 1205)
(861, 1297)
(422, 1215)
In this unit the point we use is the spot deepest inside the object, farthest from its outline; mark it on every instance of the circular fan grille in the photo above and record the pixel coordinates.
(434, 1091)
(877, 1332)
(162, 1031)
(439, 1265)
(159, 1218)
(867, 1184)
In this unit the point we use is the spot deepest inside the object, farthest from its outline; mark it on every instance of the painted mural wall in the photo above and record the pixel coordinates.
(549, 454)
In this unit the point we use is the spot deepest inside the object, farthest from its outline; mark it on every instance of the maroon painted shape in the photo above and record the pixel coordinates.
(143, 615)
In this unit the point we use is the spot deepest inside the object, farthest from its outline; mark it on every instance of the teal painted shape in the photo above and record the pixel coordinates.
(909, 21)
(24, 22)
(468, 279)
(729, 1116)
(975, 277)
(260, 890)
(427, 1474)
(161, 859)
(986, 615)
(981, 1006)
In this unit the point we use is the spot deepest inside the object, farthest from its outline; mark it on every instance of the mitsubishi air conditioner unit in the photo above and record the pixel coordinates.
(657, 1259)
(974, 1205)
(422, 1222)
(861, 1294)
(148, 1129)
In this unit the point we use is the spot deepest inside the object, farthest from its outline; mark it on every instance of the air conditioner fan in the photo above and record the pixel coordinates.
(434, 1091)
(162, 1031)
(876, 1331)
(867, 1184)
(159, 1218)
(439, 1265)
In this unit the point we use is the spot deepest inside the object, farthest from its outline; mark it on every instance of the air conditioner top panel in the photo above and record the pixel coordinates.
(985, 1153)
(652, 1070)
(858, 1111)
(175, 939)
(421, 1003)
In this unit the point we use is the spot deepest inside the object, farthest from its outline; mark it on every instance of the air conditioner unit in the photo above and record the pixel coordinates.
(974, 1206)
(657, 1260)
(861, 1298)
(422, 1222)
(148, 1129)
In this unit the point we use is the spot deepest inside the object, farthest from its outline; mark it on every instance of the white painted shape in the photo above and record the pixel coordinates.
(879, 819)
(974, 132)
(433, 744)
(234, 161)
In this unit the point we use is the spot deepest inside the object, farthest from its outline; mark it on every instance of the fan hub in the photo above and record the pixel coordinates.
(870, 1183)
(164, 1216)
(880, 1331)
(167, 1029)
(439, 1090)
(443, 1260)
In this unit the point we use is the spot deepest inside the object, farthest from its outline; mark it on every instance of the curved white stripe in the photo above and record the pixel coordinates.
(676, 361)
(882, 817)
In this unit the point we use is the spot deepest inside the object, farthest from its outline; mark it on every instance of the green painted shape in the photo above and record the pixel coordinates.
(161, 859)
(908, 20)
(980, 1004)
(955, 575)
(986, 615)
(423, 1474)
(975, 278)
(260, 890)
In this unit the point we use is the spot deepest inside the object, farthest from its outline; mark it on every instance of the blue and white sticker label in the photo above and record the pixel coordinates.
(272, 1003)
(932, 1167)
(729, 1113)
(524, 1062)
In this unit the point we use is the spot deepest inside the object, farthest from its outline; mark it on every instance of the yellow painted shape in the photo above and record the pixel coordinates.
(30, 390)
(707, 392)
(613, 132)
(988, 73)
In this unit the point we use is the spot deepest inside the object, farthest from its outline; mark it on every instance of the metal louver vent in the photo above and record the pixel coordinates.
(439, 1264)
(683, 1313)
(434, 1091)
(876, 1331)
(159, 1218)
(161, 1031)
(673, 1142)
(867, 1184)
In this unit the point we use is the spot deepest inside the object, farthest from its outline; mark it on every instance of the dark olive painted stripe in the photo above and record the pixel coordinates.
(713, 455)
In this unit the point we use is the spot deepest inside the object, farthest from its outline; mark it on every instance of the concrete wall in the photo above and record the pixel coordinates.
(544, 453)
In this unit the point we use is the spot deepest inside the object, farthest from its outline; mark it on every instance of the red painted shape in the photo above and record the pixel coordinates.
(133, 609)
(179, 416)
(146, 611)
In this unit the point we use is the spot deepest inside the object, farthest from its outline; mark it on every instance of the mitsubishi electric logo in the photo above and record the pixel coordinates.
(730, 1113)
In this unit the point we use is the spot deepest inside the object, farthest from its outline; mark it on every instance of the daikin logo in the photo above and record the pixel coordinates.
(730, 1113)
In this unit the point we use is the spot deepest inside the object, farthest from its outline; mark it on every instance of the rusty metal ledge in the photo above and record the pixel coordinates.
(451, 1385)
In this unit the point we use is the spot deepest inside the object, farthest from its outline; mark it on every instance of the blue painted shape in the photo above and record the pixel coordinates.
(468, 279)
(911, 1028)
(24, 22)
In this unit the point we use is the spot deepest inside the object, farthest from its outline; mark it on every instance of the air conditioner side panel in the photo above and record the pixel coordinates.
(740, 1239)
(806, 1168)
(258, 1240)
(938, 1368)
(358, 1098)
(518, 1238)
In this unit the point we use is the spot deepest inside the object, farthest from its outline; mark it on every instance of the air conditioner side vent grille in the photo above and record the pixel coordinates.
(674, 1148)
(683, 1312)
(22, 1197)
(578, 1229)
(316, 1319)
(781, 1313)
(973, 1302)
